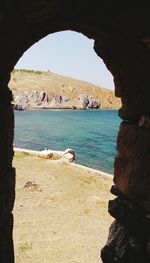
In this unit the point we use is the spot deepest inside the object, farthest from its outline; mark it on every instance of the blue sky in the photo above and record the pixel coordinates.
(70, 54)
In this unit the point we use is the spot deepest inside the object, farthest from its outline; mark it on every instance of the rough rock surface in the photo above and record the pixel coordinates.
(121, 34)
(128, 239)
(69, 154)
(132, 164)
(34, 89)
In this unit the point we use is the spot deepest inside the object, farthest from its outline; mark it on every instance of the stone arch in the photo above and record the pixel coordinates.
(122, 39)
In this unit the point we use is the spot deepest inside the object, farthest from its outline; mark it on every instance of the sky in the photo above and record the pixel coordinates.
(69, 54)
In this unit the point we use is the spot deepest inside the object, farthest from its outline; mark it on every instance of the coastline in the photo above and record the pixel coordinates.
(64, 109)
(92, 170)
(59, 157)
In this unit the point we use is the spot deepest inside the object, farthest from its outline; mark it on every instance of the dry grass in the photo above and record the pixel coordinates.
(64, 218)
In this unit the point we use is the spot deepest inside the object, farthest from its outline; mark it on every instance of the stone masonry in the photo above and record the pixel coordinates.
(121, 31)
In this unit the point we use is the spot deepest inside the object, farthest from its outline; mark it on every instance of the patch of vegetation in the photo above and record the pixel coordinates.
(25, 247)
(27, 71)
(101, 203)
(21, 154)
(87, 211)
(88, 180)
(55, 157)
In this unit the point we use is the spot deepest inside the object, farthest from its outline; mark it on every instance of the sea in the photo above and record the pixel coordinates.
(90, 133)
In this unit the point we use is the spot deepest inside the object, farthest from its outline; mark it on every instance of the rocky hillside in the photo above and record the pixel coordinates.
(36, 89)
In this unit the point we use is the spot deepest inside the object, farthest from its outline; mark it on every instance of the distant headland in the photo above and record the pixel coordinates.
(47, 90)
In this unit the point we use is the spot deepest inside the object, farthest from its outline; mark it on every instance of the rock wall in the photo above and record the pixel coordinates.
(37, 89)
(43, 100)
(122, 39)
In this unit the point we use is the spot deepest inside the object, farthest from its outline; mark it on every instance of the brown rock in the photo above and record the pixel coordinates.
(132, 164)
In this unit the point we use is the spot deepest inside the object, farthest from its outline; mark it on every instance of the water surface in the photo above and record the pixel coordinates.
(91, 133)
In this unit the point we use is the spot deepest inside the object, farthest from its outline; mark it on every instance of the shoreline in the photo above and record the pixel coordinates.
(87, 168)
(47, 154)
(63, 109)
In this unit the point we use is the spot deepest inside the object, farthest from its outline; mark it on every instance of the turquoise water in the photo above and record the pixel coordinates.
(91, 133)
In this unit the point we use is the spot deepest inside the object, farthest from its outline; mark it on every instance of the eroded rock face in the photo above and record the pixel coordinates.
(88, 102)
(128, 239)
(132, 164)
(93, 104)
(84, 100)
(123, 247)
(42, 99)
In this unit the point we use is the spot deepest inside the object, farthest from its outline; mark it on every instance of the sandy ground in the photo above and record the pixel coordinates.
(62, 217)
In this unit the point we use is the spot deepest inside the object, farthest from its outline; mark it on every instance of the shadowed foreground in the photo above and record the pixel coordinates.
(61, 217)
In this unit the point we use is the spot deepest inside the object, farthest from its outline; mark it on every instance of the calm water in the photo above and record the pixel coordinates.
(91, 133)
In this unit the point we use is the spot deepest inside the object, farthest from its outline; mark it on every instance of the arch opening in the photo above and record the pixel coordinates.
(78, 139)
(51, 91)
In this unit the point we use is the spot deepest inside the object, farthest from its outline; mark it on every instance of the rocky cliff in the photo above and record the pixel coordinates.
(36, 89)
